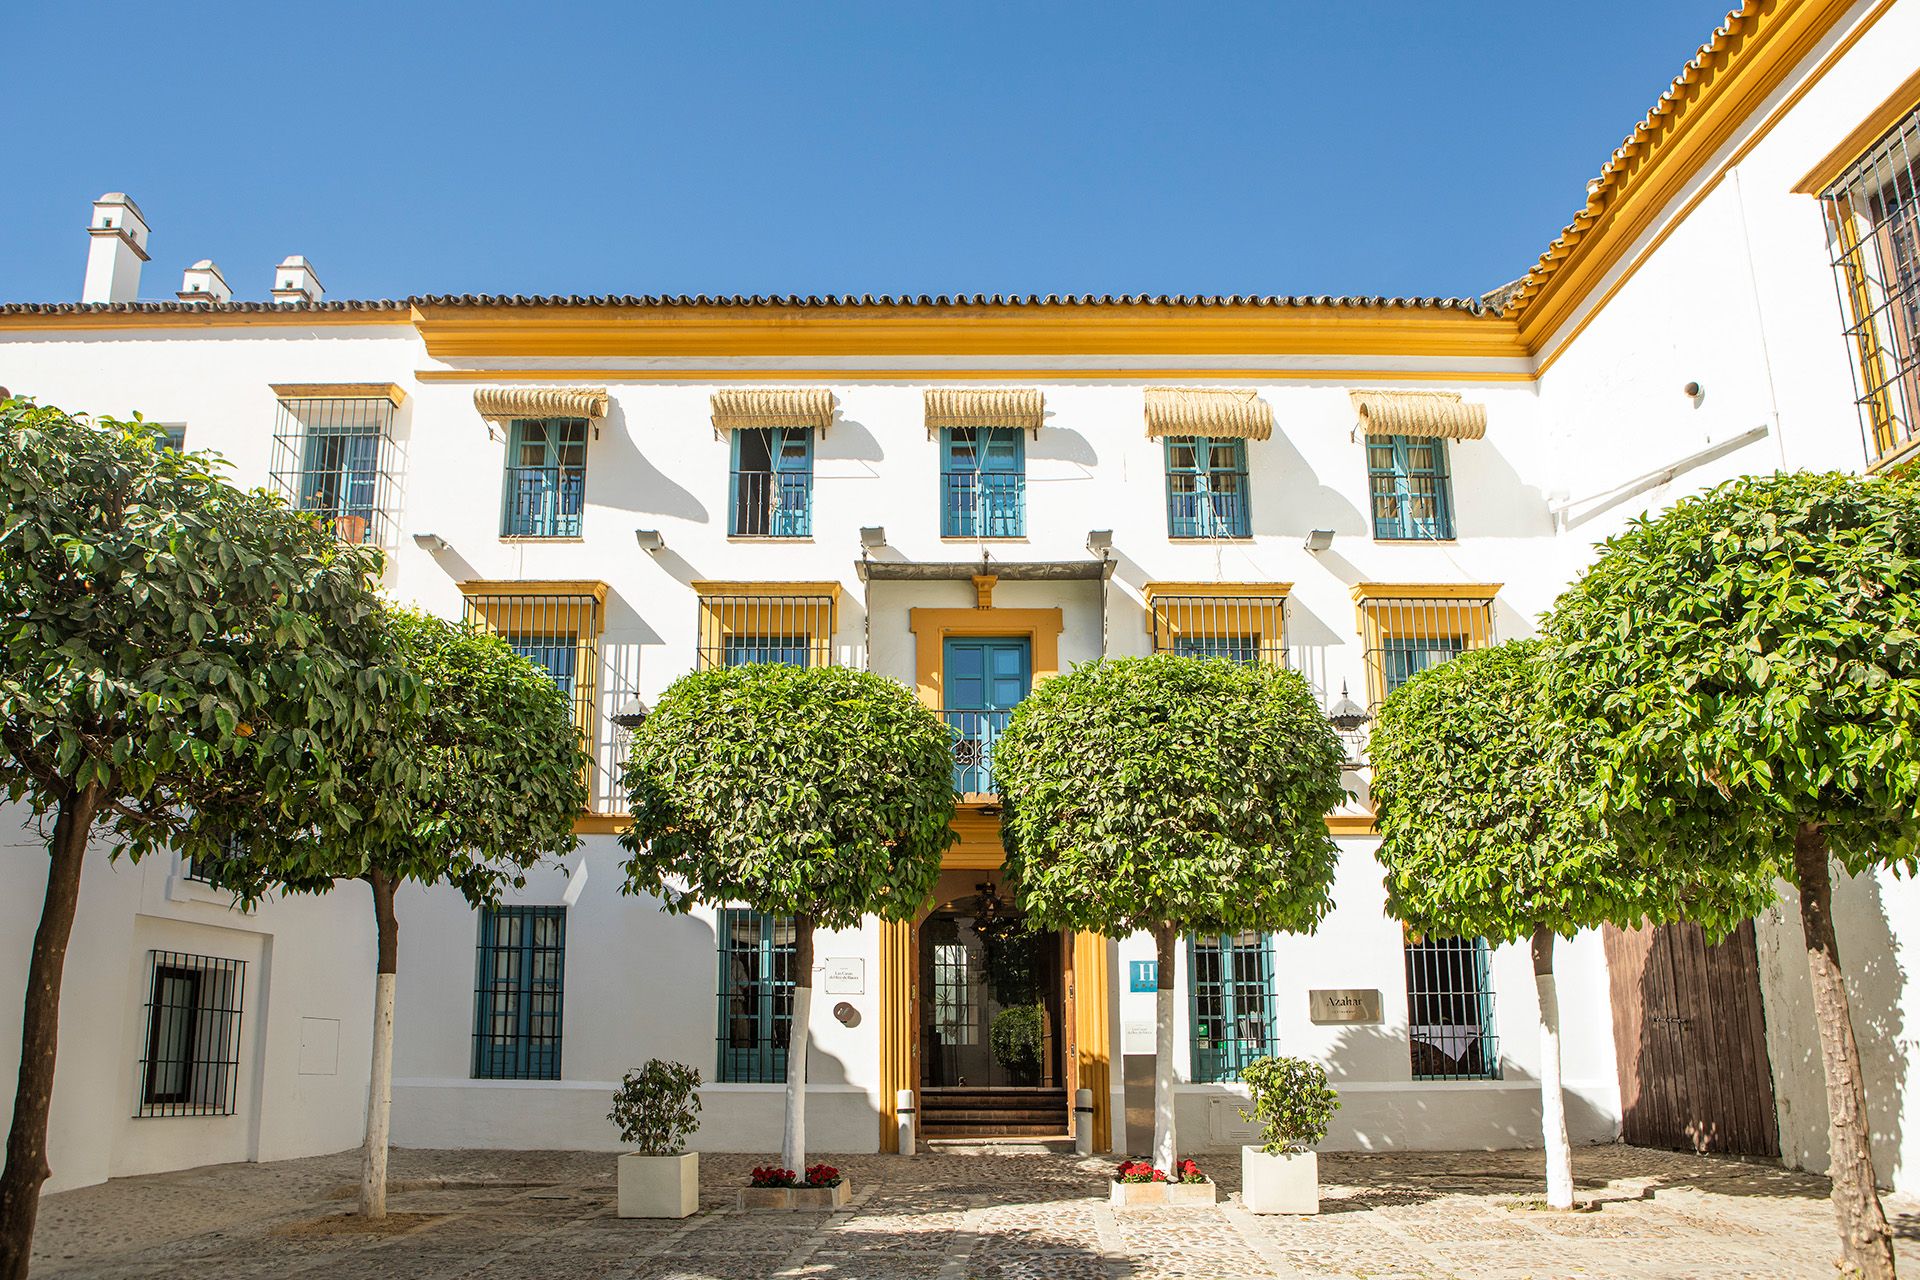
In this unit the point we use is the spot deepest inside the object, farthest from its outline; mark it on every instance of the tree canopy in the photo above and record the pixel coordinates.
(1146, 791)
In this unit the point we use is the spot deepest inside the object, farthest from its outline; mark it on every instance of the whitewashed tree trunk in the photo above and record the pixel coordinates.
(793, 1142)
(1553, 1106)
(1164, 1141)
(373, 1163)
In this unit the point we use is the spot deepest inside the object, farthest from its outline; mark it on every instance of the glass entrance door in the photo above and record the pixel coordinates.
(990, 998)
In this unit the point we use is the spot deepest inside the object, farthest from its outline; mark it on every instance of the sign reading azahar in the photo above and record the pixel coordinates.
(1344, 1005)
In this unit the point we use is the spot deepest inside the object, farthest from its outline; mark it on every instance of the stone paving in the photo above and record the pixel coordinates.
(958, 1215)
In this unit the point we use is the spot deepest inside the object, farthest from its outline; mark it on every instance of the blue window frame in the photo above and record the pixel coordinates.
(517, 993)
(1411, 491)
(983, 482)
(339, 474)
(556, 654)
(791, 650)
(985, 677)
(756, 995)
(1230, 978)
(770, 486)
(1207, 488)
(1244, 649)
(546, 480)
(1450, 1010)
(1401, 659)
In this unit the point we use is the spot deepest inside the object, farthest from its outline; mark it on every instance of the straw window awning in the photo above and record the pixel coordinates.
(746, 408)
(504, 404)
(1208, 411)
(1021, 407)
(1441, 414)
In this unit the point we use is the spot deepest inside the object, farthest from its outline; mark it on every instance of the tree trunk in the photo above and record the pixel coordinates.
(1863, 1223)
(373, 1163)
(27, 1165)
(1553, 1103)
(1164, 1149)
(793, 1143)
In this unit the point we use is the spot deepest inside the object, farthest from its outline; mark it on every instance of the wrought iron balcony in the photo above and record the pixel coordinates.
(544, 502)
(974, 733)
(983, 504)
(772, 504)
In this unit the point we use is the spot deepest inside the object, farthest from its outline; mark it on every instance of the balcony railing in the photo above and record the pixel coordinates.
(544, 502)
(979, 504)
(772, 504)
(974, 733)
(1215, 514)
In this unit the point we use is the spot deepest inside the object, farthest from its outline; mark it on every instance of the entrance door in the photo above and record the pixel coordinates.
(984, 677)
(1690, 1035)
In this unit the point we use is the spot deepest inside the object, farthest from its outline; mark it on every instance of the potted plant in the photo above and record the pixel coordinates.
(771, 1187)
(656, 1108)
(1137, 1182)
(1292, 1105)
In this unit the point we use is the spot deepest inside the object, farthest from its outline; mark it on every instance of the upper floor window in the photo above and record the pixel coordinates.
(1231, 980)
(1207, 487)
(1238, 621)
(332, 455)
(771, 486)
(1407, 628)
(1873, 219)
(546, 480)
(742, 622)
(518, 990)
(756, 996)
(1411, 492)
(983, 482)
(1450, 1010)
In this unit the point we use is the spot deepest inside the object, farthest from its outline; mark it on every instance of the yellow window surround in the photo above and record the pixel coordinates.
(387, 391)
(1454, 616)
(1251, 611)
(767, 611)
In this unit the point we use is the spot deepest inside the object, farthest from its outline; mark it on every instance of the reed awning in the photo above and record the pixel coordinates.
(1441, 414)
(743, 408)
(1208, 411)
(503, 404)
(1021, 407)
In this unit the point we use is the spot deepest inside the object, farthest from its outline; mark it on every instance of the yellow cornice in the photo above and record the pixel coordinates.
(572, 589)
(339, 391)
(1366, 591)
(1233, 590)
(198, 318)
(704, 587)
(1025, 374)
(601, 824)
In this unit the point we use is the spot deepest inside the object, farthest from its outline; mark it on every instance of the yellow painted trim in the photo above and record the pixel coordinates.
(339, 391)
(931, 627)
(709, 587)
(1365, 591)
(1234, 590)
(854, 375)
(1169, 615)
(535, 587)
(1378, 617)
(899, 1025)
(601, 824)
(1093, 1033)
(1898, 105)
(1351, 824)
(200, 318)
(983, 585)
(723, 613)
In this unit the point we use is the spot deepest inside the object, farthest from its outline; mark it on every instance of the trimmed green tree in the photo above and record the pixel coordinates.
(1170, 796)
(161, 628)
(1745, 670)
(820, 793)
(474, 788)
(1483, 835)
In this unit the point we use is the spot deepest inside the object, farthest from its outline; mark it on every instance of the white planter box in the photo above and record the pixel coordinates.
(659, 1186)
(1279, 1184)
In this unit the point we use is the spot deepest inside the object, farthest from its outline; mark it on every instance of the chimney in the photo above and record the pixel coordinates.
(119, 246)
(294, 281)
(202, 283)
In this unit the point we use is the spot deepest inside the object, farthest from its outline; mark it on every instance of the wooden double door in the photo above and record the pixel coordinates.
(1690, 1035)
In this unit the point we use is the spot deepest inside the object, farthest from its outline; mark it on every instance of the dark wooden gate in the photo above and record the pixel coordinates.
(1690, 1034)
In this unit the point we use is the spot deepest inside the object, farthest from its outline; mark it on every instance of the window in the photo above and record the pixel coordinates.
(1207, 488)
(954, 1012)
(546, 483)
(1402, 659)
(517, 994)
(1241, 622)
(788, 650)
(756, 996)
(743, 622)
(1233, 648)
(207, 870)
(556, 624)
(1405, 628)
(1873, 220)
(772, 482)
(332, 457)
(557, 655)
(1450, 1010)
(192, 1061)
(1230, 977)
(983, 482)
(1411, 492)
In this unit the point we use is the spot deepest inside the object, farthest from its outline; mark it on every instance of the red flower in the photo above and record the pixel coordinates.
(772, 1176)
(822, 1175)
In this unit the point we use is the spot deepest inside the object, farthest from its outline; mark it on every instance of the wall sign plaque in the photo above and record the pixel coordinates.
(1344, 1004)
(846, 977)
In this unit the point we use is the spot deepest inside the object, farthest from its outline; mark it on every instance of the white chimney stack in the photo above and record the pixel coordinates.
(294, 281)
(118, 247)
(203, 283)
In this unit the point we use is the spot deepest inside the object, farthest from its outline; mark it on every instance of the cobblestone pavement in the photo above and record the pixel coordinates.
(971, 1215)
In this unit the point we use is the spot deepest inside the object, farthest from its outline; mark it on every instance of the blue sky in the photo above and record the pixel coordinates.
(1365, 147)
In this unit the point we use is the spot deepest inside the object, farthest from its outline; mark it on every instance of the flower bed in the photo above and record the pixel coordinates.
(1137, 1182)
(771, 1187)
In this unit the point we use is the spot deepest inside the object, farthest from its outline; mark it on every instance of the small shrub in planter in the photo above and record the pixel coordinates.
(1293, 1107)
(656, 1109)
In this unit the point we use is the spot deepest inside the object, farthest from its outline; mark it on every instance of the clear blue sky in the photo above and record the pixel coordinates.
(1364, 147)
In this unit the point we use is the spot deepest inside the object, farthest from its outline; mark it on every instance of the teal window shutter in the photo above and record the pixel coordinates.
(546, 478)
(518, 993)
(983, 482)
(756, 996)
(1207, 488)
(1410, 488)
(1230, 990)
(770, 483)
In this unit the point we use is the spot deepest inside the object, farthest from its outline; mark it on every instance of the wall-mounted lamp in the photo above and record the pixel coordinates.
(431, 543)
(650, 540)
(1099, 542)
(1319, 539)
(873, 536)
(633, 716)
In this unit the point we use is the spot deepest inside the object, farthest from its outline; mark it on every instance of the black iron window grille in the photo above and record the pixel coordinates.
(742, 628)
(1406, 636)
(1873, 222)
(756, 996)
(1450, 1023)
(191, 1066)
(1239, 628)
(518, 993)
(334, 458)
(561, 634)
(1230, 977)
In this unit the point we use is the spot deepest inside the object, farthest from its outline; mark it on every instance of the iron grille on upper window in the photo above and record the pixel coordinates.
(1207, 488)
(772, 482)
(1239, 628)
(756, 995)
(1450, 1010)
(1406, 636)
(546, 483)
(748, 627)
(1412, 493)
(1230, 977)
(192, 1061)
(560, 633)
(517, 993)
(333, 457)
(207, 870)
(983, 482)
(1873, 221)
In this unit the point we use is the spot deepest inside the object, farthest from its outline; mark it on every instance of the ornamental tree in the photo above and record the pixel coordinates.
(1483, 835)
(1745, 671)
(1173, 796)
(162, 629)
(480, 783)
(820, 793)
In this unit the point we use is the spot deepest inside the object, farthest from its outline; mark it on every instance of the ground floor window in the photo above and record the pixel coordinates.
(192, 1061)
(517, 1000)
(1450, 1010)
(756, 996)
(1231, 980)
